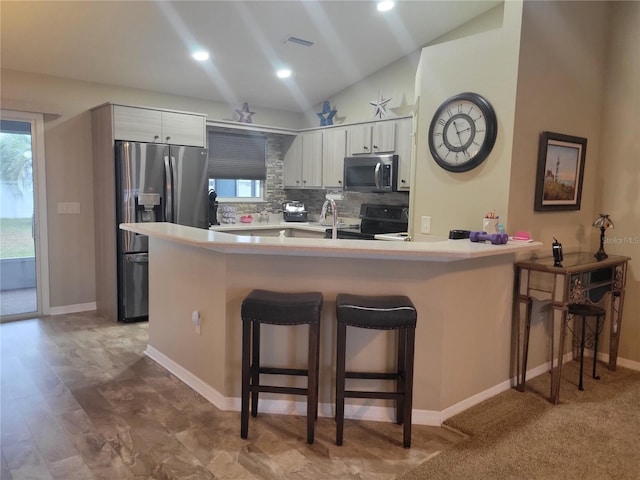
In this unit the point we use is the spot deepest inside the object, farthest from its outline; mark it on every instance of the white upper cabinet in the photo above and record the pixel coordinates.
(360, 139)
(372, 138)
(303, 161)
(157, 126)
(183, 129)
(334, 149)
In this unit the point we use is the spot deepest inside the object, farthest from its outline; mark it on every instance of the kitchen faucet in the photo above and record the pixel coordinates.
(334, 212)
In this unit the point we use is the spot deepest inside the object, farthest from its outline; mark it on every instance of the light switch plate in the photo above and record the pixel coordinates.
(69, 208)
(425, 225)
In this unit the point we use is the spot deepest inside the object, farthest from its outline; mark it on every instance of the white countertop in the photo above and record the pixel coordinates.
(436, 250)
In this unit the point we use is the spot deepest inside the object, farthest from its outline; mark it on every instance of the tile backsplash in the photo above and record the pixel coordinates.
(275, 194)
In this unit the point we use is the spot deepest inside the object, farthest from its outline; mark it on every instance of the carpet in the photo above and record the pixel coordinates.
(593, 434)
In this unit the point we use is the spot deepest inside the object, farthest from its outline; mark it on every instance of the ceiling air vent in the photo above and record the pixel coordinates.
(299, 41)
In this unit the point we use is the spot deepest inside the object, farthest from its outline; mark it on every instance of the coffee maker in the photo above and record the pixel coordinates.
(213, 208)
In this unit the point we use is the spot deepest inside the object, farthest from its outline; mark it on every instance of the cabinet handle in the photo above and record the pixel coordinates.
(156, 137)
(168, 138)
(366, 148)
(339, 182)
(403, 181)
(375, 146)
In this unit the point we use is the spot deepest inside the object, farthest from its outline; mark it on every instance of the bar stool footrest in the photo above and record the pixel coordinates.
(283, 371)
(376, 395)
(373, 375)
(279, 389)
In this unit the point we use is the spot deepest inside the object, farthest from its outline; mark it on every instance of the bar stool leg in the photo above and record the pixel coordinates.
(317, 369)
(401, 381)
(408, 395)
(599, 322)
(341, 347)
(255, 368)
(312, 383)
(246, 378)
(584, 326)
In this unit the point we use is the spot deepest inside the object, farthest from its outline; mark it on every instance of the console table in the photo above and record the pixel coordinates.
(534, 278)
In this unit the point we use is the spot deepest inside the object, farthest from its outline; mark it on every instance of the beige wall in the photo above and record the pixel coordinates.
(486, 63)
(568, 80)
(578, 73)
(456, 320)
(560, 87)
(69, 166)
(618, 185)
(395, 81)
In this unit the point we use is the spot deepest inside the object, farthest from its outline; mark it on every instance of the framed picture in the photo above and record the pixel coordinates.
(560, 169)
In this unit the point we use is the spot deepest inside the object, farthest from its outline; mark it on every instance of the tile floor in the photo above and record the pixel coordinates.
(80, 400)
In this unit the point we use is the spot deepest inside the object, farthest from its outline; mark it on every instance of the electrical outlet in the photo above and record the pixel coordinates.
(69, 208)
(195, 318)
(425, 225)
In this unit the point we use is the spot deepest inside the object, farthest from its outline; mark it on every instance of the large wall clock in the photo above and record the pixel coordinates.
(462, 132)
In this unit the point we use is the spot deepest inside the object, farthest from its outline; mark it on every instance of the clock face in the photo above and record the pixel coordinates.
(462, 132)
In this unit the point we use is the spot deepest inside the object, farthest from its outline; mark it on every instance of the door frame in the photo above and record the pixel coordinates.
(41, 240)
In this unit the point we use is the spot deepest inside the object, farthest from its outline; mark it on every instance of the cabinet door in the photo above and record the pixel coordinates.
(183, 129)
(360, 139)
(312, 159)
(383, 137)
(334, 149)
(136, 124)
(404, 144)
(292, 177)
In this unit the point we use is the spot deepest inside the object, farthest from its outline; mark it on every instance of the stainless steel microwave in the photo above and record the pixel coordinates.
(371, 173)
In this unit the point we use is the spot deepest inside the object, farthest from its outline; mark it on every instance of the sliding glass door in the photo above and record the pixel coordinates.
(22, 216)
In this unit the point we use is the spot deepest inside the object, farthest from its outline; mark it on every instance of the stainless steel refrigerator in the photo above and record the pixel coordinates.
(154, 183)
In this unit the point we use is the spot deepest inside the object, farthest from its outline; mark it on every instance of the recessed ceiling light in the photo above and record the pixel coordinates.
(283, 73)
(200, 55)
(385, 6)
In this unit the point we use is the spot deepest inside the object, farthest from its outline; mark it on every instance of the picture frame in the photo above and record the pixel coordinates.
(560, 172)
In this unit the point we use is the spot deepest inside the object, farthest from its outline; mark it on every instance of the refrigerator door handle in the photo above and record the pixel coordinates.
(137, 258)
(168, 187)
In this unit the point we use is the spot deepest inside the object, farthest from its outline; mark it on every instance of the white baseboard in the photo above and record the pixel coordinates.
(79, 307)
(286, 407)
(208, 392)
(357, 412)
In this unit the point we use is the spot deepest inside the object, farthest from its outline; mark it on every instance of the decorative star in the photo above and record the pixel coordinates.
(326, 115)
(245, 114)
(380, 106)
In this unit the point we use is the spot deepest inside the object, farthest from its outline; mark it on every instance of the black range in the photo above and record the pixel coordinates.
(375, 219)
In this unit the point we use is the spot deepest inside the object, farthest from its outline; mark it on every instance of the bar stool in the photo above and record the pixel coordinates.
(583, 311)
(277, 308)
(395, 312)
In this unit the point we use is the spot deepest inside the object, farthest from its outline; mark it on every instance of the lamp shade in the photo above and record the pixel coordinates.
(603, 221)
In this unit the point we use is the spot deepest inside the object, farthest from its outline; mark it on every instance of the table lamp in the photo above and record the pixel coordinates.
(602, 222)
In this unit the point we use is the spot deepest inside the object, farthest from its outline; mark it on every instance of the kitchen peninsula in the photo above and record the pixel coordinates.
(462, 292)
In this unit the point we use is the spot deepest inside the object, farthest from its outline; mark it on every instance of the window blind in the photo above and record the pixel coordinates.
(237, 155)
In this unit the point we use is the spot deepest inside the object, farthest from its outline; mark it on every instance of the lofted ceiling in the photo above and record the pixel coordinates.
(147, 44)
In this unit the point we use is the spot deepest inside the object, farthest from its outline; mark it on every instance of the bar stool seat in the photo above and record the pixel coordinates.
(286, 309)
(392, 312)
(587, 335)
